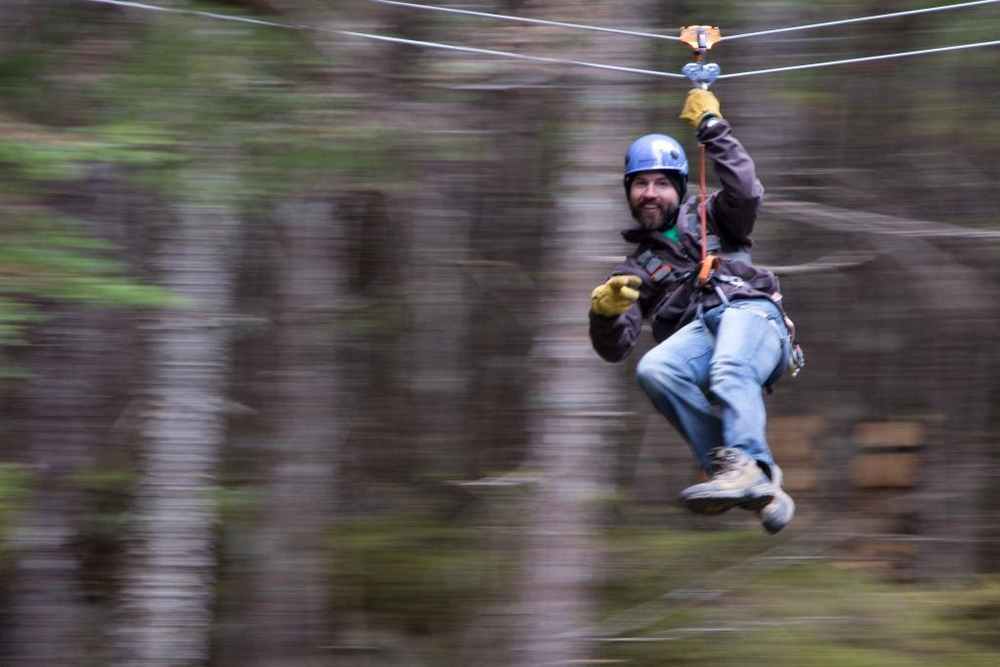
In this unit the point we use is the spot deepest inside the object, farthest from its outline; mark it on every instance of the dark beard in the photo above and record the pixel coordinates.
(669, 217)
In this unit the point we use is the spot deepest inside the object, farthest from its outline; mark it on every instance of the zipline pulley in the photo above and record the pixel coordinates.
(701, 38)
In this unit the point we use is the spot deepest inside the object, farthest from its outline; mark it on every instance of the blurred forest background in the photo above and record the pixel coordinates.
(295, 367)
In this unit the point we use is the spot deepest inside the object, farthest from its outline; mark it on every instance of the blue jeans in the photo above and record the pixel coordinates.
(708, 377)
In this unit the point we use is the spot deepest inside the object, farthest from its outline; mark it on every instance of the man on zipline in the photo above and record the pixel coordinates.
(721, 331)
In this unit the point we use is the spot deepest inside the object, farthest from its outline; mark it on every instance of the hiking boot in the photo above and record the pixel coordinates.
(779, 512)
(736, 480)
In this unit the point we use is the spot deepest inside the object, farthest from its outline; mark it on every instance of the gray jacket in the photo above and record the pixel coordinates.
(667, 259)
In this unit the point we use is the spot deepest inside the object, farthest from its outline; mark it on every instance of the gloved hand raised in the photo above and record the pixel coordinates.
(615, 296)
(698, 104)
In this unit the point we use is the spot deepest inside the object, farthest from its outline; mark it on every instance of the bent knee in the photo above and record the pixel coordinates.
(645, 372)
(660, 374)
(730, 372)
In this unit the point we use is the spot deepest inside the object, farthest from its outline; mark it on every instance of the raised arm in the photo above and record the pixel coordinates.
(733, 210)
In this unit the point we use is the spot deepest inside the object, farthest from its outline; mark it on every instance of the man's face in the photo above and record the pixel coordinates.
(652, 198)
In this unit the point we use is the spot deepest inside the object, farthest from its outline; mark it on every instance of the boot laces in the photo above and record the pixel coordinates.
(726, 463)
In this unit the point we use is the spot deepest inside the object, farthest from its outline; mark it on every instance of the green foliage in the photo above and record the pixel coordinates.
(177, 89)
(15, 484)
(419, 574)
(14, 316)
(976, 615)
(239, 93)
(234, 504)
(647, 561)
(48, 258)
(51, 258)
(279, 163)
(22, 82)
(811, 613)
(34, 160)
(110, 489)
(155, 97)
(105, 481)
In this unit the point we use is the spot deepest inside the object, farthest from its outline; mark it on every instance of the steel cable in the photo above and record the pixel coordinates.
(509, 54)
(544, 59)
(862, 59)
(386, 38)
(874, 17)
(522, 19)
(635, 33)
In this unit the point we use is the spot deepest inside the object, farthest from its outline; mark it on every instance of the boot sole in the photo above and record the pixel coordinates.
(715, 505)
(773, 528)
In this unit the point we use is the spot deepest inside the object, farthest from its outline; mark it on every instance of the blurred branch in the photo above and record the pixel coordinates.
(835, 262)
(867, 222)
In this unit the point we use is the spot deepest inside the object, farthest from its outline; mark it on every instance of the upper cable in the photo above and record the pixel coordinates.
(859, 19)
(387, 38)
(845, 61)
(580, 63)
(522, 19)
(509, 54)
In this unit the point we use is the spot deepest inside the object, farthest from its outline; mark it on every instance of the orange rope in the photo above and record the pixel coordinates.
(702, 205)
(708, 262)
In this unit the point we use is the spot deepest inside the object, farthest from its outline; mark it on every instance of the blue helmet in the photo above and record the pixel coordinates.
(657, 152)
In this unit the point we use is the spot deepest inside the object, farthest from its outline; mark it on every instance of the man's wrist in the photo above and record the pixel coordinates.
(707, 120)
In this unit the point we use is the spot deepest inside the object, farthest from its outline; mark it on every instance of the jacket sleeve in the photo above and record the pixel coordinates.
(733, 210)
(614, 337)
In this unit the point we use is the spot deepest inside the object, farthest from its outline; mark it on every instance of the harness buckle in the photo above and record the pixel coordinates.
(707, 269)
(796, 360)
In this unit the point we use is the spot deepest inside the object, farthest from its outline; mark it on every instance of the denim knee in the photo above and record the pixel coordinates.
(728, 374)
(645, 373)
(656, 376)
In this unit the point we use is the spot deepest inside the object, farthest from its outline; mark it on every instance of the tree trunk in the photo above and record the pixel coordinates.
(49, 610)
(561, 558)
(168, 591)
(78, 362)
(290, 600)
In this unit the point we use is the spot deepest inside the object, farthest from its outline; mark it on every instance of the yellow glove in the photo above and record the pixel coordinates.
(615, 296)
(698, 103)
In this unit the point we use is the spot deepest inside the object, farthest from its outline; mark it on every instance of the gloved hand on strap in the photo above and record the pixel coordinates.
(615, 296)
(699, 105)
